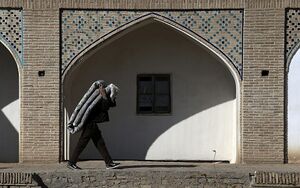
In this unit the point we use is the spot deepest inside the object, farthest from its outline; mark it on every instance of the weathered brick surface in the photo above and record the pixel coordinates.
(150, 4)
(40, 101)
(262, 113)
(263, 97)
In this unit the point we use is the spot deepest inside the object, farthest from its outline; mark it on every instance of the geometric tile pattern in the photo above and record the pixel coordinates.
(11, 30)
(292, 30)
(221, 28)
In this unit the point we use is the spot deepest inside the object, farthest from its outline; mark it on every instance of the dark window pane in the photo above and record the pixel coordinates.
(145, 109)
(162, 87)
(153, 93)
(145, 87)
(145, 78)
(162, 78)
(159, 109)
(162, 100)
(145, 100)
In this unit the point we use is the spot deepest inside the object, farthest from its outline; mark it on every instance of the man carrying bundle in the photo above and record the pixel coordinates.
(92, 109)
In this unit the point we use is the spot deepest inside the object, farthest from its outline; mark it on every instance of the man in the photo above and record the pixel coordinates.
(90, 130)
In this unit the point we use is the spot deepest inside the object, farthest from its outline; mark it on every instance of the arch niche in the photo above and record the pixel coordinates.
(205, 93)
(9, 103)
(293, 105)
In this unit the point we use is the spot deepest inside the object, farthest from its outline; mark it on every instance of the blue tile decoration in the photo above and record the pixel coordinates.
(11, 32)
(292, 30)
(221, 28)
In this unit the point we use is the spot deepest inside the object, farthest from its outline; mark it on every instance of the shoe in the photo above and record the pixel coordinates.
(112, 165)
(73, 166)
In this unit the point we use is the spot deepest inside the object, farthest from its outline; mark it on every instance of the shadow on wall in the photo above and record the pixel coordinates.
(9, 107)
(201, 88)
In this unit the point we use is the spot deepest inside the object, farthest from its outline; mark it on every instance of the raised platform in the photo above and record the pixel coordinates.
(147, 174)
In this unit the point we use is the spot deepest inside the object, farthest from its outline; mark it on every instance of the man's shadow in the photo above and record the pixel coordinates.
(155, 166)
(39, 180)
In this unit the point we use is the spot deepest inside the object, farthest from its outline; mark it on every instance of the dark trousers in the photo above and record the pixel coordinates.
(91, 131)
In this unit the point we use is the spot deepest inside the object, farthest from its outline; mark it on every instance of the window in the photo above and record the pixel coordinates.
(153, 94)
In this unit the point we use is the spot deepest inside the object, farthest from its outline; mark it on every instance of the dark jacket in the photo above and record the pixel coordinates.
(99, 113)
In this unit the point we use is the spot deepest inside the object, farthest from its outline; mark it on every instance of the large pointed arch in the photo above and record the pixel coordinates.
(153, 17)
(15, 57)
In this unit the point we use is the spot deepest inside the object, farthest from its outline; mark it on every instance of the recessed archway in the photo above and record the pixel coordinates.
(196, 67)
(9, 105)
(293, 108)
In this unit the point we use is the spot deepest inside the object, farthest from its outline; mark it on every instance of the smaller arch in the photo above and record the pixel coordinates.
(15, 57)
(291, 106)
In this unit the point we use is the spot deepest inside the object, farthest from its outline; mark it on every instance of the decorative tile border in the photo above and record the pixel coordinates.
(222, 28)
(292, 34)
(292, 29)
(11, 31)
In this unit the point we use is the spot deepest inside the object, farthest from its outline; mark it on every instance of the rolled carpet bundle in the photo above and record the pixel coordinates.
(82, 110)
(112, 90)
(88, 102)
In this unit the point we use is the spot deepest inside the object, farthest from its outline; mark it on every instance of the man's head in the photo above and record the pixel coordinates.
(101, 83)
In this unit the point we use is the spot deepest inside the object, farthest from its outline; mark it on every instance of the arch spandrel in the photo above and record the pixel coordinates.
(222, 29)
(292, 33)
(11, 32)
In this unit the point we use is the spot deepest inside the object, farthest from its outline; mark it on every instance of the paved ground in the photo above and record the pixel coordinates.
(153, 166)
(152, 174)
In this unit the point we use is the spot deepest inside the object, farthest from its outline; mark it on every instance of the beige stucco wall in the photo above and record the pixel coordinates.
(203, 116)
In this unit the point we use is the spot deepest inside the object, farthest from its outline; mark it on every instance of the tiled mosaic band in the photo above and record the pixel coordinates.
(221, 28)
(11, 30)
(292, 31)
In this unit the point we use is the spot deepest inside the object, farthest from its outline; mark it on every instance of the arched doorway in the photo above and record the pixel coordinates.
(294, 109)
(10, 107)
(204, 96)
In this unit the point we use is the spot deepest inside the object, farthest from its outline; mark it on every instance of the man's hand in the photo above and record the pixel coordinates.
(102, 92)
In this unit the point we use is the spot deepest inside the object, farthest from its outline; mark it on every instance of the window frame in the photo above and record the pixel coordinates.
(154, 111)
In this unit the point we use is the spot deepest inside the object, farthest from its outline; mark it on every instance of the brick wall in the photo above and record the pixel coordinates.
(263, 96)
(40, 101)
(262, 114)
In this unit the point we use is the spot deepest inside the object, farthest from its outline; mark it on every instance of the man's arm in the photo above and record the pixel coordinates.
(106, 101)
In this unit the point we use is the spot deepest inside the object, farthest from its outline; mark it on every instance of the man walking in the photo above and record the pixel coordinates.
(98, 113)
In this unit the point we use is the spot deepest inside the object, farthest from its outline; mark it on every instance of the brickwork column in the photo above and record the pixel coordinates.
(263, 96)
(40, 94)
